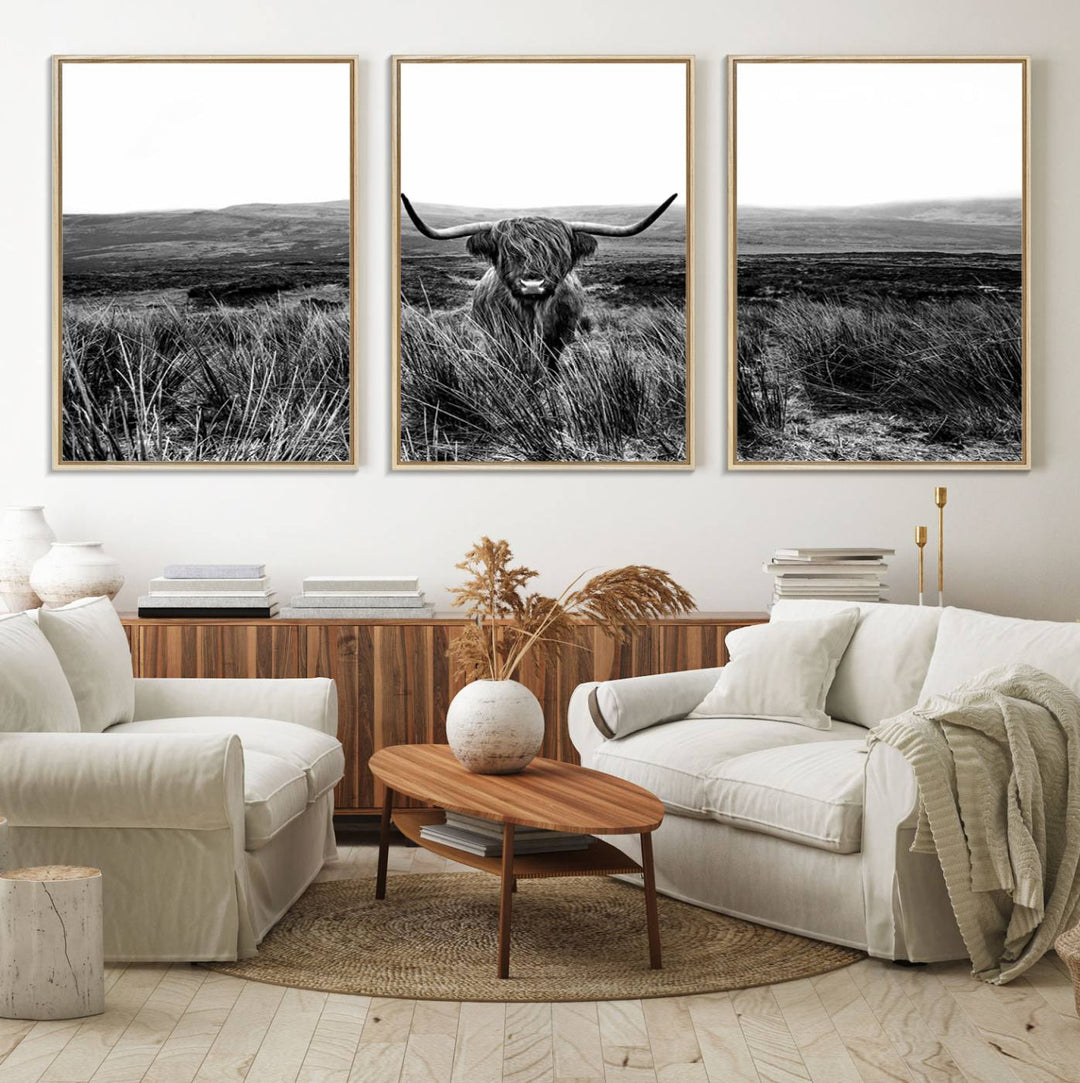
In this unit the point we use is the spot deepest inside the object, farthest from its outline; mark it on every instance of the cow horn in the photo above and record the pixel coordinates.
(602, 229)
(449, 232)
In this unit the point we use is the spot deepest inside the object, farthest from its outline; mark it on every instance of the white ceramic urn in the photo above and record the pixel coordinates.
(74, 570)
(495, 727)
(25, 537)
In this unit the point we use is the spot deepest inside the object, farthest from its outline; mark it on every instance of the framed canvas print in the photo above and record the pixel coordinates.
(205, 224)
(542, 293)
(878, 263)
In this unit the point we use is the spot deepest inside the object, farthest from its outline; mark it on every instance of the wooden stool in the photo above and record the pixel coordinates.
(52, 955)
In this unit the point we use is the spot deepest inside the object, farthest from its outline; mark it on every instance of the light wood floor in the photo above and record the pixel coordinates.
(871, 1021)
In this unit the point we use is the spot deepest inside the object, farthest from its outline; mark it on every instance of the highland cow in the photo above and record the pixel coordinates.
(530, 300)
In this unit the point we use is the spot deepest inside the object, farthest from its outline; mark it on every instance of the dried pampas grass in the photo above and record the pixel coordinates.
(508, 622)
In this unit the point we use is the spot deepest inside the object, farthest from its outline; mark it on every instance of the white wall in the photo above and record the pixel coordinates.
(1012, 537)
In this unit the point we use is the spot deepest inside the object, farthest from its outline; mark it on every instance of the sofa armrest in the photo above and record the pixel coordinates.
(192, 782)
(622, 707)
(584, 735)
(310, 702)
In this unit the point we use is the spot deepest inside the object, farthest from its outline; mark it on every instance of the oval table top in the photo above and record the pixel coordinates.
(547, 794)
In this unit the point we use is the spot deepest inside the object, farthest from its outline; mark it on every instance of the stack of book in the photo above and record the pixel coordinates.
(850, 575)
(360, 597)
(210, 590)
(484, 837)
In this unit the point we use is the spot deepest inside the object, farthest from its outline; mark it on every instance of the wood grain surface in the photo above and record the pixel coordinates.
(547, 794)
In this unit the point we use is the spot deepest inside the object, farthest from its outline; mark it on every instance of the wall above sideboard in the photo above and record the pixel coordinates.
(1011, 536)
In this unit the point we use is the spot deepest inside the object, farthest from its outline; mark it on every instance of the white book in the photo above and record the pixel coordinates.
(213, 595)
(833, 554)
(424, 612)
(361, 582)
(408, 600)
(805, 567)
(871, 583)
(202, 586)
(194, 601)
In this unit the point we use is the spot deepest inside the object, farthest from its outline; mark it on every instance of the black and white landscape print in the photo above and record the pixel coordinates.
(543, 263)
(206, 277)
(879, 259)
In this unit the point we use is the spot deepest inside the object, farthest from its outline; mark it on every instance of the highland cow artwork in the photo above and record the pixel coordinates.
(542, 271)
(205, 262)
(877, 268)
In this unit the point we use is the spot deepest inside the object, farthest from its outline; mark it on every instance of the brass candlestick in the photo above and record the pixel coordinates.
(920, 541)
(941, 494)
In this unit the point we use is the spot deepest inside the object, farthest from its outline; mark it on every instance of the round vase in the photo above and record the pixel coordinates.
(495, 727)
(25, 537)
(74, 570)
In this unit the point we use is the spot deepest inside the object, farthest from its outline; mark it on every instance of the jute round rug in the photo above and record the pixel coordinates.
(434, 937)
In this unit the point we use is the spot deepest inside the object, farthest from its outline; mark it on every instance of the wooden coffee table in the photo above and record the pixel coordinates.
(547, 794)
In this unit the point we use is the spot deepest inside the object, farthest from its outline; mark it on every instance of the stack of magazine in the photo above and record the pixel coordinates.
(484, 837)
(360, 597)
(210, 590)
(849, 575)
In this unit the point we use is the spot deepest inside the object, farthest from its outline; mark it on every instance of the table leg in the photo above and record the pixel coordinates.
(505, 903)
(384, 843)
(651, 915)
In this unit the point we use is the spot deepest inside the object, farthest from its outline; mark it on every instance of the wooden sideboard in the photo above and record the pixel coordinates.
(394, 681)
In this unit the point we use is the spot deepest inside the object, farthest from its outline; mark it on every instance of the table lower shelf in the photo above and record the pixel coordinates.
(600, 859)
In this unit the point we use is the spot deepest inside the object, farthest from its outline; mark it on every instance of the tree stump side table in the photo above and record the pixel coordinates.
(52, 954)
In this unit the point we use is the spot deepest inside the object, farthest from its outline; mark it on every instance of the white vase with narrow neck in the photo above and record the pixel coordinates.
(25, 537)
(495, 727)
(74, 570)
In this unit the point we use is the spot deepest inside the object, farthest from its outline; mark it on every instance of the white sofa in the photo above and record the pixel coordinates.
(798, 828)
(207, 804)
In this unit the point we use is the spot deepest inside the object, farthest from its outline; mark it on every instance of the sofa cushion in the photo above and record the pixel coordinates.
(781, 671)
(34, 694)
(679, 761)
(885, 663)
(317, 754)
(808, 793)
(970, 642)
(275, 793)
(89, 640)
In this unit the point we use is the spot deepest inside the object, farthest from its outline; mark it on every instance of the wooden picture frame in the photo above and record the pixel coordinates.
(897, 331)
(205, 315)
(471, 392)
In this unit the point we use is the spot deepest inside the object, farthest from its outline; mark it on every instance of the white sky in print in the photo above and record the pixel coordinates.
(152, 136)
(542, 134)
(823, 134)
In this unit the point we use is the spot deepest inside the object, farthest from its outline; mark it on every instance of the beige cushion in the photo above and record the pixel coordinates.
(317, 754)
(970, 642)
(781, 671)
(679, 761)
(808, 793)
(34, 693)
(275, 793)
(885, 663)
(90, 642)
(630, 704)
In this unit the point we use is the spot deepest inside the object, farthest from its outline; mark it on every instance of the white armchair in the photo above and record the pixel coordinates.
(207, 804)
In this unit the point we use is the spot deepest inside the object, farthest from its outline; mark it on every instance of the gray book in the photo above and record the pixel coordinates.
(215, 571)
(194, 601)
(405, 600)
(225, 585)
(380, 583)
(363, 613)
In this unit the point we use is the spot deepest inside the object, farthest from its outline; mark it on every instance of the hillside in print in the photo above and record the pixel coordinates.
(196, 335)
(616, 394)
(888, 332)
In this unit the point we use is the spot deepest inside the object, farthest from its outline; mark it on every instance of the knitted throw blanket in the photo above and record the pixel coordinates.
(998, 767)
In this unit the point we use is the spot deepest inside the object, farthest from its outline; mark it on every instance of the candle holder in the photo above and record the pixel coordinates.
(941, 495)
(920, 541)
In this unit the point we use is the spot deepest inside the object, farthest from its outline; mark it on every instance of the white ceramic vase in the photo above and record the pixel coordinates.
(74, 570)
(25, 536)
(495, 727)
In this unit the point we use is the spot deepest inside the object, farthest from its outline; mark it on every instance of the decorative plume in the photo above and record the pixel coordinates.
(508, 623)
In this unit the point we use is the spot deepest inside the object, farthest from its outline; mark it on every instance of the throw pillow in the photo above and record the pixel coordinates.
(781, 671)
(90, 642)
(34, 694)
